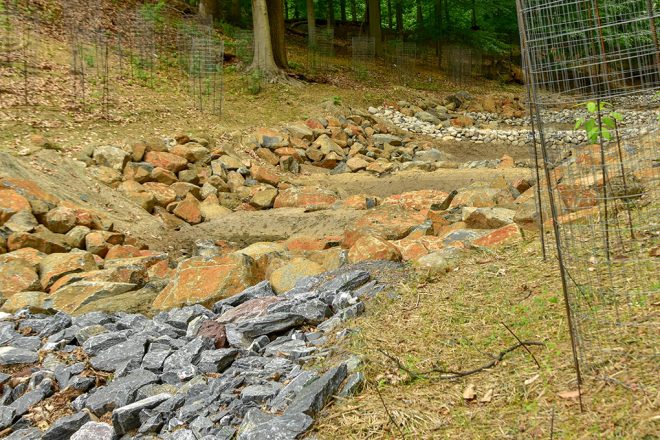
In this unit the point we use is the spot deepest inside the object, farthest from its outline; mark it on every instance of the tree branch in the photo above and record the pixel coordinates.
(453, 374)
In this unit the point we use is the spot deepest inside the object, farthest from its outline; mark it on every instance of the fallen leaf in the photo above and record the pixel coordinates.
(487, 397)
(531, 380)
(569, 394)
(469, 393)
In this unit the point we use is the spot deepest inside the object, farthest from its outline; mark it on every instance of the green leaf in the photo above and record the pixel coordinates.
(609, 122)
(592, 135)
(604, 105)
(591, 107)
(606, 134)
(578, 123)
(590, 125)
(617, 116)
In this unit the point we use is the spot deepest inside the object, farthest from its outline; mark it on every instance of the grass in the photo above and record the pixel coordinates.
(456, 323)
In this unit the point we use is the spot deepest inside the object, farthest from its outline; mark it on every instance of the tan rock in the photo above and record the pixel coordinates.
(264, 198)
(73, 297)
(305, 197)
(189, 210)
(11, 202)
(284, 278)
(370, 248)
(168, 161)
(55, 266)
(60, 220)
(17, 276)
(264, 175)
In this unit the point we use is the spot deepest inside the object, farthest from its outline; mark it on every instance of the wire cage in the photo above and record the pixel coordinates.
(363, 52)
(462, 63)
(187, 30)
(406, 59)
(205, 71)
(143, 54)
(321, 51)
(599, 60)
(244, 45)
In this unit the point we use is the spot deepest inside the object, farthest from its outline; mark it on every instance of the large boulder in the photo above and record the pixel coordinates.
(285, 277)
(11, 202)
(202, 280)
(373, 248)
(391, 222)
(17, 276)
(170, 162)
(57, 265)
(111, 157)
(72, 297)
(305, 197)
(487, 218)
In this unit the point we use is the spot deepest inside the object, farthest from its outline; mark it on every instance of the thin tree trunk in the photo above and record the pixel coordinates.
(235, 12)
(286, 9)
(331, 14)
(209, 9)
(374, 24)
(354, 11)
(399, 18)
(296, 11)
(389, 15)
(342, 10)
(311, 24)
(447, 15)
(474, 15)
(277, 32)
(263, 50)
(420, 14)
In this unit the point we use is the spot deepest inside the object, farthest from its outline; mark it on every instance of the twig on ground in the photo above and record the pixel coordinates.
(387, 411)
(452, 374)
(524, 346)
(552, 425)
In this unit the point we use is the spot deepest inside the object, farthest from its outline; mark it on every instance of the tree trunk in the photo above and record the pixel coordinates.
(277, 32)
(263, 49)
(311, 24)
(331, 14)
(296, 11)
(286, 10)
(420, 15)
(374, 24)
(390, 25)
(209, 9)
(235, 12)
(342, 10)
(474, 16)
(399, 18)
(354, 11)
(447, 20)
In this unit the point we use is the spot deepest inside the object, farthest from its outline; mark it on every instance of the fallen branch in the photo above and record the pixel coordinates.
(452, 374)
(524, 346)
(387, 411)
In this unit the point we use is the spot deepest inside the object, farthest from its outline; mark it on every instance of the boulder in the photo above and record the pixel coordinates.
(264, 198)
(11, 202)
(55, 266)
(503, 235)
(373, 248)
(271, 138)
(285, 277)
(72, 297)
(201, 280)
(264, 175)
(305, 197)
(392, 222)
(17, 276)
(170, 162)
(22, 221)
(189, 210)
(487, 218)
(258, 425)
(111, 157)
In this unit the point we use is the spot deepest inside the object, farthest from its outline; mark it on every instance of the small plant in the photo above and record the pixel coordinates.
(336, 100)
(590, 124)
(154, 12)
(254, 82)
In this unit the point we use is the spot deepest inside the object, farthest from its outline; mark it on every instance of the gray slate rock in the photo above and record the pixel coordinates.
(15, 355)
(25, 434)
(272, 323)
(347, 281)
(260, 426)
(189, 354)
(120, 354)
(120, 392)
(260, 393)
(7, 415)
(65, 427)
(353, 385)
(216, 361)
(257, 291)
(127, 417)
(287, 394)
(94, 431)
(315, 395)
(154, 360)
(98, 343)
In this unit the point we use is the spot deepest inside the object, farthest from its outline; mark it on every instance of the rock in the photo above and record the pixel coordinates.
(139, 171)
(391, 222)
(22, 221)
(462, 121)
(63, 428)
(119, 392)
(353, 384)
(373, 248)
(477, 198)
(500, 236)
(55, 266)
(345, 282)
(94, 431)
(300, 131)
(264, 175)
(162, 194)
(11, 202)
(268, 324)
(264, 198)
(261, 290)
(427, 117)
(105, 175)
(211, 209)
(357, 164)
(260, 394)
(313, 397)
(111, 157)
(432, 155)
(14, 355)
(24, 300)
(215, 331)
(305, 197)
(286, 276)
(271, 138)
(216, 361)
(117, 356)
(199, 280)
(250, 309)
(487, 218)
(260, 426)
(168, 161)
(506, 162)
(17, 276)
(72, 297)
(229, 163)
(127, 418)
(47, 243)
(382, 139)
(189, 210)
(311, 243)
(289, 164)
(161, 175)
(440, 261)
(268, 156)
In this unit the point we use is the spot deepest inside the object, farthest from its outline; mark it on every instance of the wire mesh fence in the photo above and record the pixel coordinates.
(142, 58)
(602, 198)
(406, 59)
(363, 52)
(462, 63)
(205, 74)
(321, 51)
(244, 45)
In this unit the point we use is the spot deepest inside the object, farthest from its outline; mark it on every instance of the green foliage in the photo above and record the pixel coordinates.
(336, 100)
(254, 82)
(590, 124)
(154, 12)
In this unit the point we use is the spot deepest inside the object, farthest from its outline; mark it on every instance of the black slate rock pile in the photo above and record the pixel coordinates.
(163, 378)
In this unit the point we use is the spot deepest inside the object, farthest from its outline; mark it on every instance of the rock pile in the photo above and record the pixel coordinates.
(188, 373)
